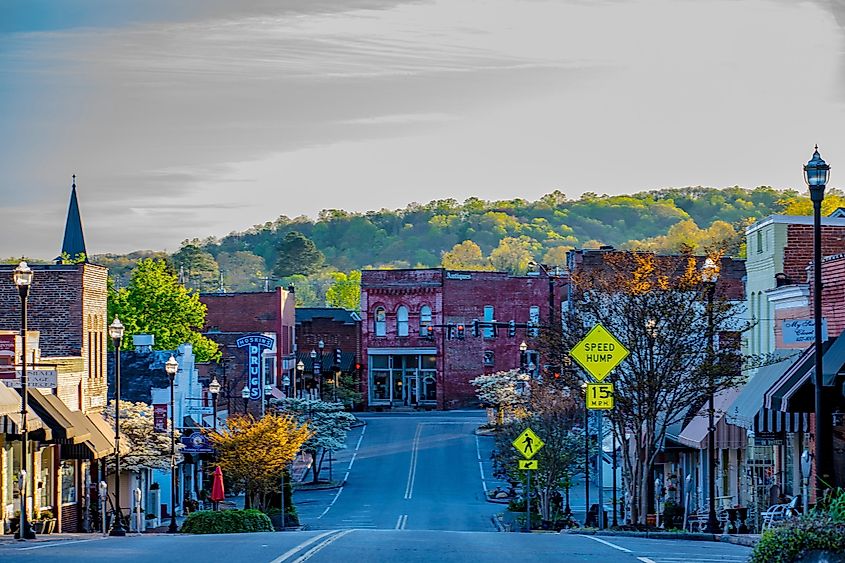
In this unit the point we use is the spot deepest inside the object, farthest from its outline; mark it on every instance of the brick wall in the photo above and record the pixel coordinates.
(798, 252)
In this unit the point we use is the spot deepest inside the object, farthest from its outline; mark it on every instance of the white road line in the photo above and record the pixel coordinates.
(314, 550)
(477, 448)
(331, 504)
(646, 560)
(483, 481)
(401, 522)
(346, 477)
(303, 545)
(412, 470)
(351, 461)
(54, 544)
(614, 546)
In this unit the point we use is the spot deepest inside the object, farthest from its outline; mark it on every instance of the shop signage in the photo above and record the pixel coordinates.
(255, 345)
(196, 443)
(599, 352)
(199, 409)
(796, 331)
(160, 418)
(37, 378)
(7, 345)
(457, 276)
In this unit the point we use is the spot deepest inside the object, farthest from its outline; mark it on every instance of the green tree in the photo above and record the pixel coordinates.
(345, 292)
(465, 256)
(198, 267)
(242, 270)
(513, 255)
(297, 254)
(156, 303)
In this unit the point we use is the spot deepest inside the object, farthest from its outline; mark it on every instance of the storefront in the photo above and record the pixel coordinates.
(402, 377)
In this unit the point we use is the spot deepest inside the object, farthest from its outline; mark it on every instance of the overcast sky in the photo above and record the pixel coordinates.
(200, 117)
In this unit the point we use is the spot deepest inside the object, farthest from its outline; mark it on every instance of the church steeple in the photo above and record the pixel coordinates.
(73, 245)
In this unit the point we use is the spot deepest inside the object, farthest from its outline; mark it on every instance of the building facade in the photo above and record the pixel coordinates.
(339, 332)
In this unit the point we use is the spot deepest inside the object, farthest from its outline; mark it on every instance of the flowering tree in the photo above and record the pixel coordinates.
(256, 452)
(501, 389)
(328, 422)
(148, 449)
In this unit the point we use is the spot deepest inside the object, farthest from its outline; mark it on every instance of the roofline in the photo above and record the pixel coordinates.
(793, 220)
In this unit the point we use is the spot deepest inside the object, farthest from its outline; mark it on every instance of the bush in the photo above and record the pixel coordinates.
(814, 532)
(227, 522)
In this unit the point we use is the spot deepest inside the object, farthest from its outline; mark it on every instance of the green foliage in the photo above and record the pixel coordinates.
(227, 522)
(297, 254)
(155, 303)
(786, 543)
(197, 267)
(345, 292)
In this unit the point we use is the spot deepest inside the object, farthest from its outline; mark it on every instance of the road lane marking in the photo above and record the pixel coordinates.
(646, 560)
(613, 545)
(331, 504)
(346, 477)
(401, 522)
(320, 546)
(302, 546)
(54, 544)
(412, 470)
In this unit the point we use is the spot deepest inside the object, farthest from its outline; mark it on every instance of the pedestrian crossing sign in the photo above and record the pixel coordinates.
(528, 464)
(528, 443)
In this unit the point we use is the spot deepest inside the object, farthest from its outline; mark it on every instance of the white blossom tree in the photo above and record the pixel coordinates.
(501, 389)
(148, 449)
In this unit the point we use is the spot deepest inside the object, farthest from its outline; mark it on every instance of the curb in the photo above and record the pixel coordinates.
(497, 523)
(326, 487)
(744, 540)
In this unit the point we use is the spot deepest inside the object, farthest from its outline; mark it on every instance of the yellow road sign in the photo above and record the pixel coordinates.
(599, 352)
(600, 396)
(528, 464)
(528, 443)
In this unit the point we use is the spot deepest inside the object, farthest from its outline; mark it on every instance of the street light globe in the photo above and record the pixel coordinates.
(268, 389)
(816, 171)
(171, 366)
(245, 393)
(300, 366)
(116, 329)
(709, 271)
(286, 381)
(523, 347)
(313, 353)
(214, 386)
(22, 275)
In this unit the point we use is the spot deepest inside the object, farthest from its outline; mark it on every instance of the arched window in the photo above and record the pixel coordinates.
(380, 322)
(402, 321)
(425, 318)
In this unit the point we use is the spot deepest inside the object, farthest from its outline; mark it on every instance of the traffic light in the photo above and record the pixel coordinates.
(428, 332)
(460, 332)
(512, 328)
(475, 330)
(338, 356)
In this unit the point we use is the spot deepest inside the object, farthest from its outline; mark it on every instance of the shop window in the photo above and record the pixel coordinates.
(488, 318)
(425, 318)
(45, 483)
(402, 321)
(68, 471)
(380, 322)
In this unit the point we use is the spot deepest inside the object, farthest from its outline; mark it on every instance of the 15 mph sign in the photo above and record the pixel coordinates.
(599, 352)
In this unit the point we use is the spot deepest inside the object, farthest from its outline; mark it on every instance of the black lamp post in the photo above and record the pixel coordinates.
(116, 330)
(709, 276)
(816, 173)
(268, 393)
(214, 389)
(320, 345)
(22, 277)
(245, 397)
(300, 367)
(171, 366)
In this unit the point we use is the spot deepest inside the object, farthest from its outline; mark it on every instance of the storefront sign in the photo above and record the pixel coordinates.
(37, 378)
(7, 347)
(796, 331)
(196, 443)
(255, 344)
(457, 276)
(160, 418)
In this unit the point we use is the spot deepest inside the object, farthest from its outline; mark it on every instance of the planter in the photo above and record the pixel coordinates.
(152, 523)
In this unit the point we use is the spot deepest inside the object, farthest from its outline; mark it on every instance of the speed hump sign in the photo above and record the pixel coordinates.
(600, 396)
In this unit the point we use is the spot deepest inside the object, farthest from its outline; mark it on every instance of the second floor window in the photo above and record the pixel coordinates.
(380, 322)
(488, 318)
(402, 321)
(425, 318)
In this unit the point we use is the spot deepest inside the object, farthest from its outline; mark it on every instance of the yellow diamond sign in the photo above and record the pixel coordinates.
(599, 352)
(528, 443)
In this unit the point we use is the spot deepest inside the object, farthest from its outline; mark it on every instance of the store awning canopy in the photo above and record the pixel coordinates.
(10, 415)
(61, 420)
(696, 433)
(105, 428)
(96, 442)
(10, 402)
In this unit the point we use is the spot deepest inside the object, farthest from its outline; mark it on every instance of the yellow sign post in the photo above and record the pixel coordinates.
(528, 464)
(528, 443)
(599, 352)
(600, 396)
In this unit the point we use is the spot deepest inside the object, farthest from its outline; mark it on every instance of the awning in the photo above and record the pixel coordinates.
(347, 361)
(696, 433)
(10, 402)
(10, 414)
(61, 420)
(107, 431)
(97, 443)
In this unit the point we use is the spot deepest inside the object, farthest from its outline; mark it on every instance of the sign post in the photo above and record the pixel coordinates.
(599, 352)
(528, 444)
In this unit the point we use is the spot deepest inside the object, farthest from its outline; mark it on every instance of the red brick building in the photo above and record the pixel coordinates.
(418, 346)
(236, 321)
(339, 330)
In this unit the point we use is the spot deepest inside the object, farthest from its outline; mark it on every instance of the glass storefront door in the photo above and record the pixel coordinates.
(402, 380)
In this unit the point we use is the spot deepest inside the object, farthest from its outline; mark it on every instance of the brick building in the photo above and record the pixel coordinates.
(418, 347)
(255, 331)
(339, 330)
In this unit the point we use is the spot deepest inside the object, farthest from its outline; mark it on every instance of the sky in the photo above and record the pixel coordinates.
(202, 117)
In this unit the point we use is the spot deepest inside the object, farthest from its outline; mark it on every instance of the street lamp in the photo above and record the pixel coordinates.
(171, 366)
(245, 397)
(300, 367)
(522, 357)
(709, 277)
(551, 275)
(214, 389)
(314, 364)
(320, 345)
(116, 330)
(268, 390)
(816, 173)
(22, 276)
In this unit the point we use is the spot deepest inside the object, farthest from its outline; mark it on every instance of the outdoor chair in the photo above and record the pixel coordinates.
(775, 513)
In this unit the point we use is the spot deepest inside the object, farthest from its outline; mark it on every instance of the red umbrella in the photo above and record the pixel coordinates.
(217, 492)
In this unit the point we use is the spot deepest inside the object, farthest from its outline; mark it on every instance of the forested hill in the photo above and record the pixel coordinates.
(504, 233)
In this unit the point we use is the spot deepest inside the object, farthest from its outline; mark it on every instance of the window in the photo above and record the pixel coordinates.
(759, 242)
(425, 318)
(68, 470)
(488, 318)
(489, 358)
(45, 483)
(534, 321)
(402, 321)
(380, 324)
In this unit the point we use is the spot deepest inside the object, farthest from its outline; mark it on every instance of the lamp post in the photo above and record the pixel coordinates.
(214, 389)
(268, 390)
(245, 397)
(314, 368)
(171, 366)
(816, 173)
(551, 275)
(709, 277)
(116, 330)
(320, 345)
(300, 367)
(22, 276)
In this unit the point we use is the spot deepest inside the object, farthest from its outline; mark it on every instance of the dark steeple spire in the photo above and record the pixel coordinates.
(73, 245)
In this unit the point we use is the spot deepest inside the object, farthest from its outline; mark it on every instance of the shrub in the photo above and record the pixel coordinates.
(814, 532)
(227, 522)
